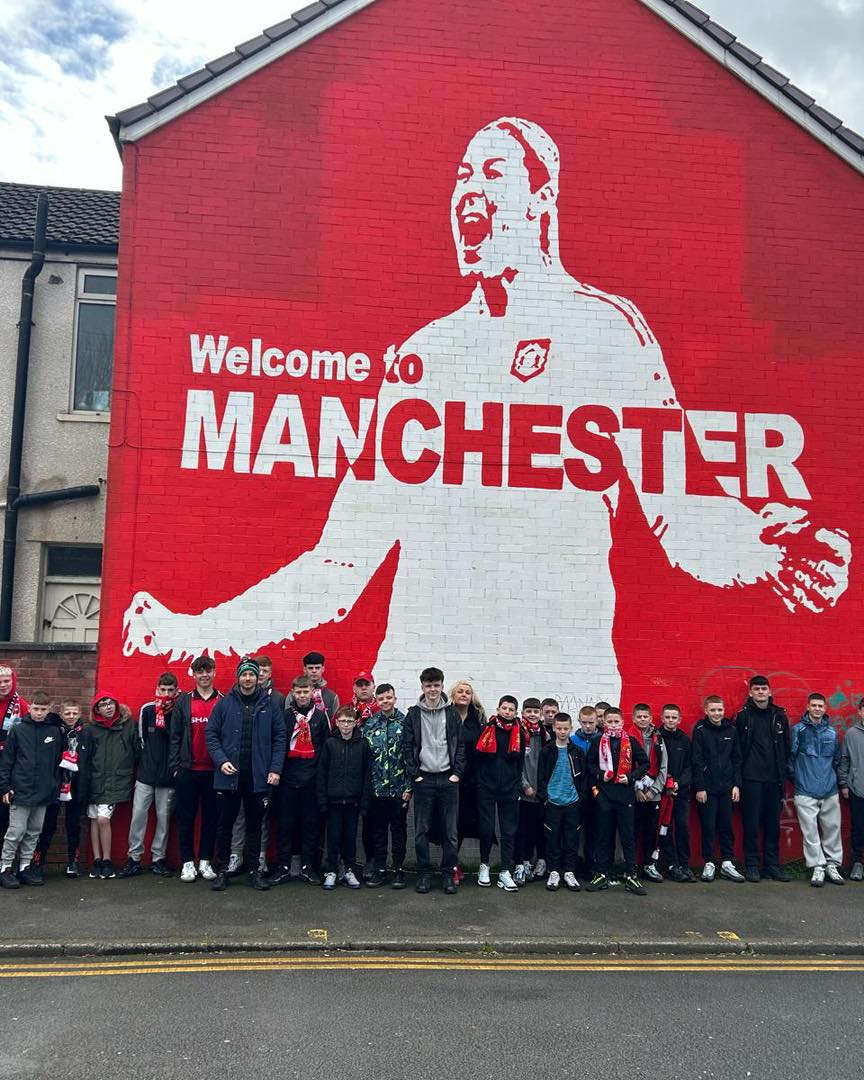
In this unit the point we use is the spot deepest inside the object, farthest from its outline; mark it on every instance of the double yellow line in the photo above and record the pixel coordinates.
(198, 965)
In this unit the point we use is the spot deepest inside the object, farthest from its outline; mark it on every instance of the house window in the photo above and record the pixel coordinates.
(95, 300)
(71, 593)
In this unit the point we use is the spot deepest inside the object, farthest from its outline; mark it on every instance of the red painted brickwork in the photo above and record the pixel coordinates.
(309, 207)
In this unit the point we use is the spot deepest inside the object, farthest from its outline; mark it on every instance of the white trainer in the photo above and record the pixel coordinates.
(817, 878)
(506, 882)
(709, 871)
(188, 873)
(262, 865)
(553, 881)
(483, 877)
(519, 875)
(834, 874)
(540, 870)
(234, 864)
(330, 881)
(730, 871)
(351, 880)
(571, 882)
(206, 870)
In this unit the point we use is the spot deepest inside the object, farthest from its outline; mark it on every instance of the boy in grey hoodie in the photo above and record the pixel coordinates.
(850, 777)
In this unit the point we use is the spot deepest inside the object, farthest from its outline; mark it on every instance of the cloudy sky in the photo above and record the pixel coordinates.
(65, 64)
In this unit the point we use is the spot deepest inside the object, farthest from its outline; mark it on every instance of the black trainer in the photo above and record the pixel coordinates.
(398, 881)
(776, 873)
(310, 874)
(751, 873)
(106, 870)
(281, 875)
(131, 868)
(377, 880)
(161, 869)
(634, 885)
(677, 874)
(597, 883)
(220, 882)
(31, 875)
(96, 869)
(424, 883)
(9, 879)
(450, 886)
(72, 868)
(259, 882)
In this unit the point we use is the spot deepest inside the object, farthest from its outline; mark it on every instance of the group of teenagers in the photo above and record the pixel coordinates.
(558, 794)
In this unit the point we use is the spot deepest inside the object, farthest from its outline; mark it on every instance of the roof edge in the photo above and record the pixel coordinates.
(132, 124)
(772, 85)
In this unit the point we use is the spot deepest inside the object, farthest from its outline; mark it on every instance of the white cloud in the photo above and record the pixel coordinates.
(66, 64)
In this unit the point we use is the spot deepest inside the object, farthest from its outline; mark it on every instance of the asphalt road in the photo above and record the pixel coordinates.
(318, 1018)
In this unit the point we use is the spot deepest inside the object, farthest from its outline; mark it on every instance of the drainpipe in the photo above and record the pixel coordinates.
(16, 444)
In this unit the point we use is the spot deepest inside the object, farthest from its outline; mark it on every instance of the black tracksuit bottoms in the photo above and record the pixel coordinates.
(530, 836)
(562, 836)
(609, 815)
(675, 845)
(508, 823)
(715, 819)
(388, 818)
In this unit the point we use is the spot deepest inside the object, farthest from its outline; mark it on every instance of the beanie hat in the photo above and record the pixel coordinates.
(248, 664)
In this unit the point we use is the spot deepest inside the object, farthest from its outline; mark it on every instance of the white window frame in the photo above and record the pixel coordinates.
(83, 297)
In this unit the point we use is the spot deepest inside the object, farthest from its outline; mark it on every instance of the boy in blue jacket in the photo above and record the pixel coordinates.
(246, 742)
(813, 761)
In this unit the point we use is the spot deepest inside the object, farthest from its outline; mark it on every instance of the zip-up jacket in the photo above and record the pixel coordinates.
(622, 793)
(384, 734)
(850, 773)
(546, 766)
(814, 757)
(345, 772)
(106, 759)
(268, 738)
(500, 774)
(530, 764)
(70, 737)
(745, 721)
(716, 757)
(413, 741)
(155, 744)
(300, 771)
(180, 741)
(678, 754)
(30, 761)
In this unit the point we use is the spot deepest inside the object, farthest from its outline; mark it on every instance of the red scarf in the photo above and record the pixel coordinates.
(534, 727)
(653, 753)
(488, 741)
(364, 710)
(625, 757)
(164, 706)
(301, 737)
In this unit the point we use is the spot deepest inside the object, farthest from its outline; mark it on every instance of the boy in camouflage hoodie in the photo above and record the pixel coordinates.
(391, 789)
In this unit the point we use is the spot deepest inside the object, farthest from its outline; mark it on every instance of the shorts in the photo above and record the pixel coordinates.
(100, 810)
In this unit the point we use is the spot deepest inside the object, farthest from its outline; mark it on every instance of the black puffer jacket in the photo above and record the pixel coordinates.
(345, 771)
(30, 761)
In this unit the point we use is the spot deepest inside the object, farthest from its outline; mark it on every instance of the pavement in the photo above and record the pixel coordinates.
(77, 917)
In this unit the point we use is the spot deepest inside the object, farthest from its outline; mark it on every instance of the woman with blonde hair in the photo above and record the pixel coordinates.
(473, 720)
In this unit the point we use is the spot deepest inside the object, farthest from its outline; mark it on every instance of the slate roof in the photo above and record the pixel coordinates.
(77, 217)
(300, 19)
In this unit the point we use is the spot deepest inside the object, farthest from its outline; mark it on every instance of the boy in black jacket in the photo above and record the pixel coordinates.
(307, 729)
(763, 731)
(717, 783)
(28, 785)
(615, 762)
(344, 785)
(70, 726)
(675, 800)
(499, 762)
(155, 782)
(561, 787)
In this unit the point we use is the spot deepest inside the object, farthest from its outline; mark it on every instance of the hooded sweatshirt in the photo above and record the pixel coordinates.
(850, 773)
(434, 756)
(814, 757)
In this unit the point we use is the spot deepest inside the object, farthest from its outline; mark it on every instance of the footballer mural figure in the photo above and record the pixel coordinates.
(532, 345)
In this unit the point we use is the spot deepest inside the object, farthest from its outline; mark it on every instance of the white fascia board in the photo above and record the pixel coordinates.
(753, 79)
(242, 70)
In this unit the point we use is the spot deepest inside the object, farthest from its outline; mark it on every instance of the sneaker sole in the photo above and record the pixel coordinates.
(508, 888)
(485, 884)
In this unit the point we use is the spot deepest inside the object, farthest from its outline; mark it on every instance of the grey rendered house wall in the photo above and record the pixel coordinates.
(61, 448)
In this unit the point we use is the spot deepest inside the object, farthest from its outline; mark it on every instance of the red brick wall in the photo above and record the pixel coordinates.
(63, 671)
